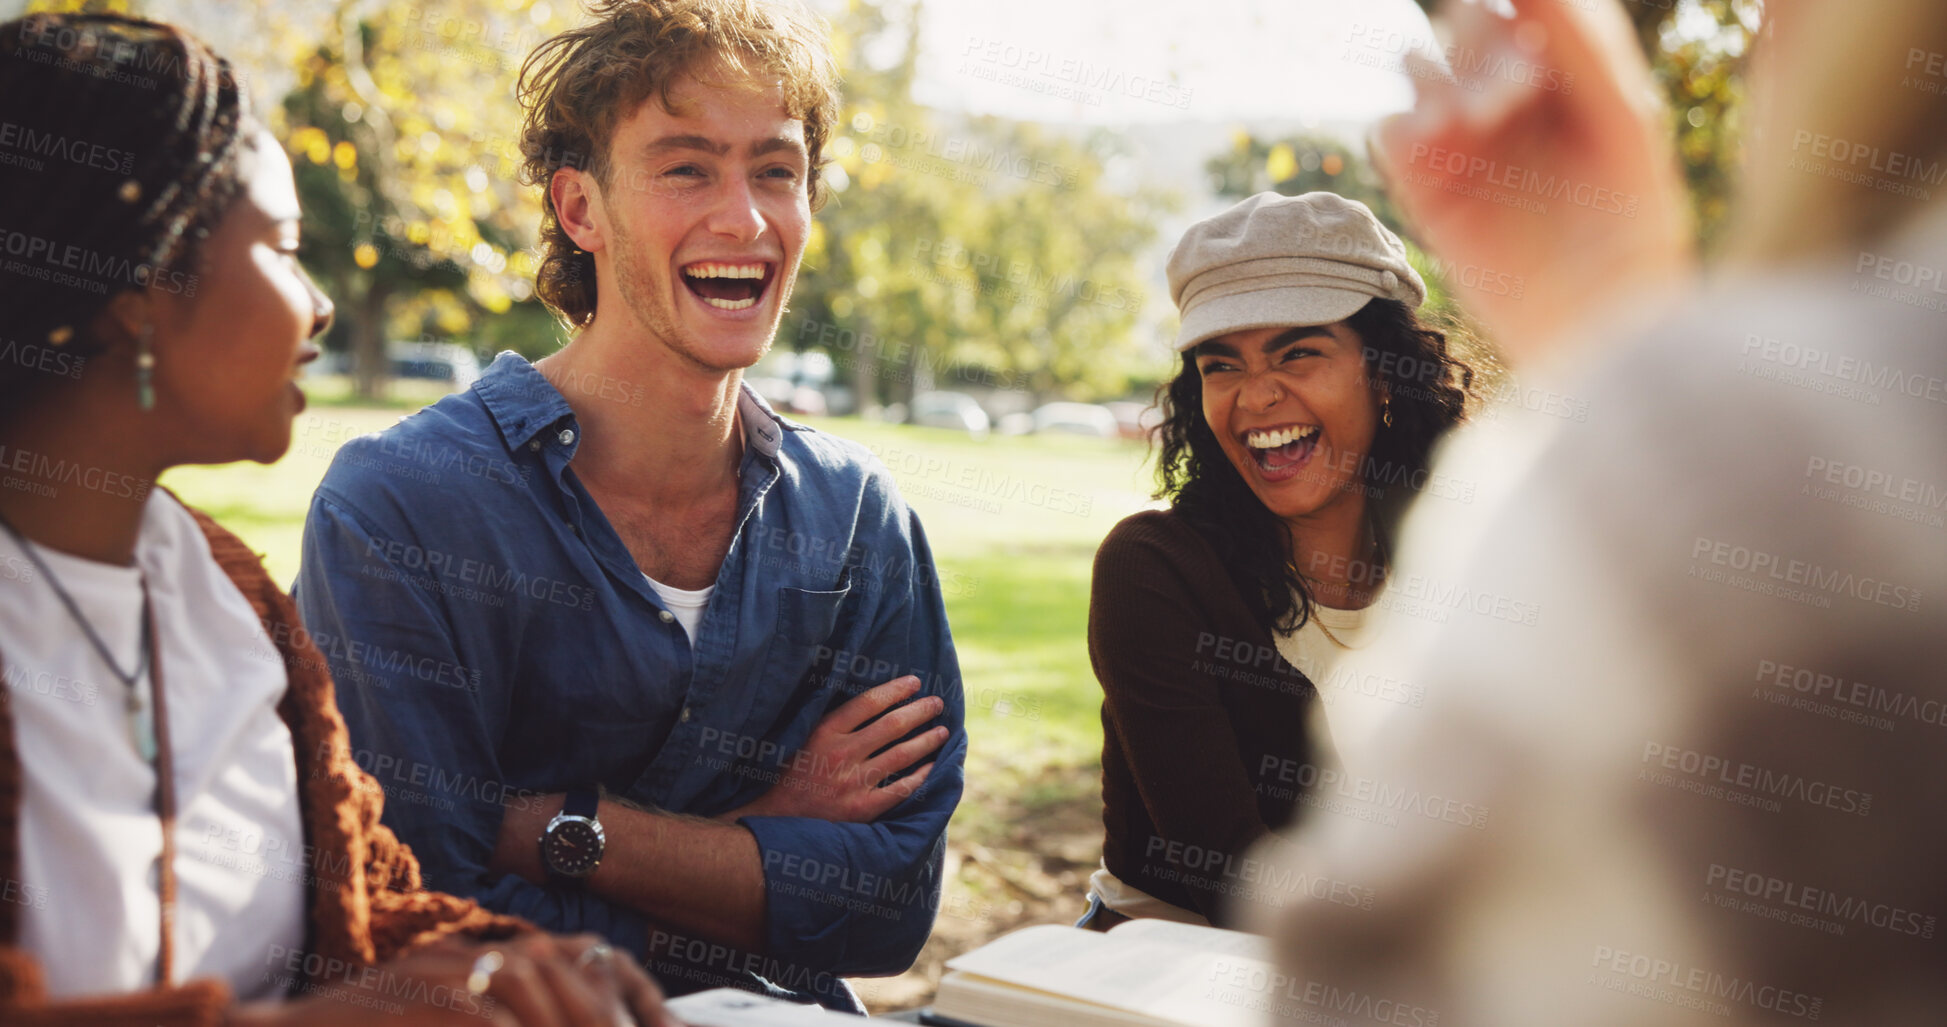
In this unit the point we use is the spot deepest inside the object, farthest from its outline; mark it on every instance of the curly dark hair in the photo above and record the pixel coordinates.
(120, 154)
(579, 85)
(1428, 388)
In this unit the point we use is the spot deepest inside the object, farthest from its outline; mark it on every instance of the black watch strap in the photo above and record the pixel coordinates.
(582, 802)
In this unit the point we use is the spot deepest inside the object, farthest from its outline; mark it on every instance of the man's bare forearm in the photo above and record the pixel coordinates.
(697, 875)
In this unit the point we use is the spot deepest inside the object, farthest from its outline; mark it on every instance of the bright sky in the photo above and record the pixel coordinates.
(1094, 61)
(1118, 61)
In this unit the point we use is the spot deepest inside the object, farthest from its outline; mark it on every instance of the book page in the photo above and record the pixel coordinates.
(1191, 936)
(1156, 979)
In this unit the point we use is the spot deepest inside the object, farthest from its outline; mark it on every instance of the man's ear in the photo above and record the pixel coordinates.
(578, 206)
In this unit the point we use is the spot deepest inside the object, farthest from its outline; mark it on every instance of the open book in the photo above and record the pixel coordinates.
(1143, 973)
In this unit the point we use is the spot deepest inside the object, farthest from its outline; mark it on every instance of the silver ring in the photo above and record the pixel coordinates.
(483, 970)
(596, 953)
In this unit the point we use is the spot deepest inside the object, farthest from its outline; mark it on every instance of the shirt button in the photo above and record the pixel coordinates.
(667, 617)
(686, 715)
(534, 446)
(567, 437)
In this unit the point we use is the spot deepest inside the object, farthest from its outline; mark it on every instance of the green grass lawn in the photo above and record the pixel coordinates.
(1013, 523)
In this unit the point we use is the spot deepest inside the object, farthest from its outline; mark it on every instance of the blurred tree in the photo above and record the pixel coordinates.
(1298, 164)
(400, 121)
(984, 249)
(1698, 53)
(401, 130)
(1063, 289)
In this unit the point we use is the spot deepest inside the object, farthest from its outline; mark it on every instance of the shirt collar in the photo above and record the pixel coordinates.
(521, 400)
(523, 404)
(763, 428)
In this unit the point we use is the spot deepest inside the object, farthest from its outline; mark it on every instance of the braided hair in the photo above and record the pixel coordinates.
(119, 147)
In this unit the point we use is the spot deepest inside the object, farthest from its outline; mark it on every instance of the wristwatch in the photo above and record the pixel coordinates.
(571, 847)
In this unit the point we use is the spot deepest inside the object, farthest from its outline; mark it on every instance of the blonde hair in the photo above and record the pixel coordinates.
(576, 87)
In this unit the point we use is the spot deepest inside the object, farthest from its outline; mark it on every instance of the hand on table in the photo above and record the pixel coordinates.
(836, 776)
(1584, 133)
(534, 980)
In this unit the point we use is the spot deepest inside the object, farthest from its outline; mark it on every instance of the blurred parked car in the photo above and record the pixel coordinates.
(955, 410)
(1019, 422)
(795, 383)
(1134, 418)
(446, 362)
(1077, 419)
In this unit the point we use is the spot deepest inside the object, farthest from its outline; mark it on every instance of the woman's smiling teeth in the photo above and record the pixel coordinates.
(725, 285)
(1281, 437)
(1282, 448)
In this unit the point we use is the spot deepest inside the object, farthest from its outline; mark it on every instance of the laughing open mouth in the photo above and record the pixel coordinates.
(728, 285)
(1283, 447)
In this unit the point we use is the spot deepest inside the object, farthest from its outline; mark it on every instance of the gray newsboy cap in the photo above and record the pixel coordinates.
(1277, 261)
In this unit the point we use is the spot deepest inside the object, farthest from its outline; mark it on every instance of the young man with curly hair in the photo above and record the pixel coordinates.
(638, 656)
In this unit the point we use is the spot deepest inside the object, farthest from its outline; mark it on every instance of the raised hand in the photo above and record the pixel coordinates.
(1563, 178)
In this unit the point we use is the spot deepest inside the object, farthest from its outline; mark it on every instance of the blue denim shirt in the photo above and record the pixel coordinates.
(493, 640)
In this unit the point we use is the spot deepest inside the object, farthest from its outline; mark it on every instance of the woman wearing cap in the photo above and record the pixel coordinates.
(1298, 425)
(184, 836)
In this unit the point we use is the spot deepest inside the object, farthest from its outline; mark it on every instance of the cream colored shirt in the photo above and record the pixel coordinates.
(1317, 650)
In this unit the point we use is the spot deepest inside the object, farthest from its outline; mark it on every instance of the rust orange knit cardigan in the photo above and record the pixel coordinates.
(365, 908)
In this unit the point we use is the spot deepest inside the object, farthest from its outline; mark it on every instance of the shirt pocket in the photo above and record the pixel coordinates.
(783, 703)
(796, 675)
(806, 617)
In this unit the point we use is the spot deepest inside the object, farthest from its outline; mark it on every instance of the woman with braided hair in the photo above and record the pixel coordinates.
(184, 836)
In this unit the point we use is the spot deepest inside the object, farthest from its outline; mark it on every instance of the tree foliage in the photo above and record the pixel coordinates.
(966, 250)
(402, 130)
(953, 249)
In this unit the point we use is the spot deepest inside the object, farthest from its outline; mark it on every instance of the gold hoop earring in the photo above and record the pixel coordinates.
(1386, 411)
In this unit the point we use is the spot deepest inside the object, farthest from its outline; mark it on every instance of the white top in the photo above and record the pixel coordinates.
(684, 604)
(1679, 758)
(90, 842)
(1133, 902)
(1352, 704)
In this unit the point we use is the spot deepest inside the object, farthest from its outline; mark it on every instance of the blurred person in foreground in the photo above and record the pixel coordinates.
(1713, 769)
(708, 643)
(184, 837)
(1306, 404)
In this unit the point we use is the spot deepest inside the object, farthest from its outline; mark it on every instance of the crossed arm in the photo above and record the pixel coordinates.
(705, 875)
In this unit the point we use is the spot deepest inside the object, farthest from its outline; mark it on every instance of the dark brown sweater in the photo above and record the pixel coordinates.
(366, 901)
(1204, 749)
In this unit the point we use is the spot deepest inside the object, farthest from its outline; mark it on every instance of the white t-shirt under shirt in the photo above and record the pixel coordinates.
(686, 605)
(90, 842)
(1351, 707)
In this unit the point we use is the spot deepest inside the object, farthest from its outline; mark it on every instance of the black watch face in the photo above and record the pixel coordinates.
(573, 847)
